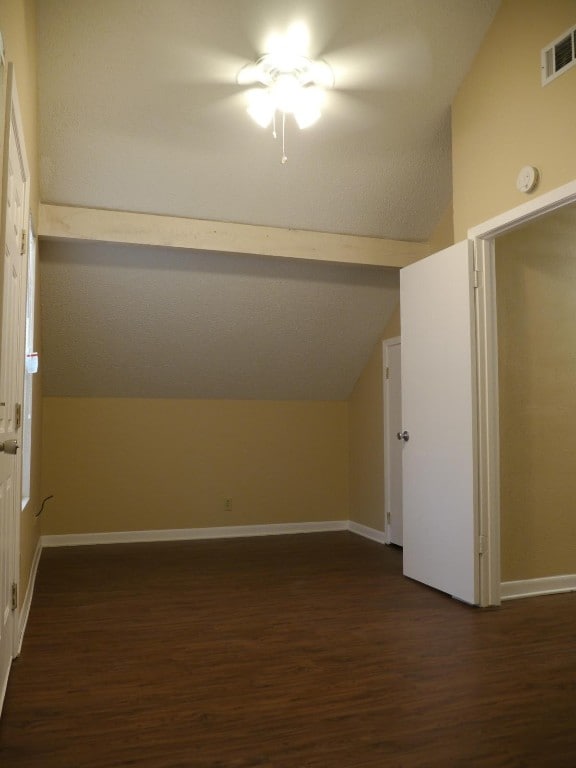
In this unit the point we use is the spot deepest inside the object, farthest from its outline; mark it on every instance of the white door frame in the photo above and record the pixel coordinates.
(484, 236)
(388, 436)
(13, 122)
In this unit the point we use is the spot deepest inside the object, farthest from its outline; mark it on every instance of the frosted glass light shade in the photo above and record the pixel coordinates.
(291, 85)
(261, 107)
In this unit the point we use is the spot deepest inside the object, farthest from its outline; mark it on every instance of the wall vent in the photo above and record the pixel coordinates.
(559, 56)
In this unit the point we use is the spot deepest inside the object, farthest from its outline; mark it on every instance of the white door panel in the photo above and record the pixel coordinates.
(438, 412)
(12, 295)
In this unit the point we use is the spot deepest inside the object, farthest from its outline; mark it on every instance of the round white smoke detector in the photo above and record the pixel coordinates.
(527, 179)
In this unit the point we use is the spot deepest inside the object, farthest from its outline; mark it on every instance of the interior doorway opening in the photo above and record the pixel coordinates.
(490, 448)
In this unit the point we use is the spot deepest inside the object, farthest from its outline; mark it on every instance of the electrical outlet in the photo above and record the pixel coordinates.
(227, 505)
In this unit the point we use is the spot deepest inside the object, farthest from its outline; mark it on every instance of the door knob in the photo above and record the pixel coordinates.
(9, 446)
(403, 436)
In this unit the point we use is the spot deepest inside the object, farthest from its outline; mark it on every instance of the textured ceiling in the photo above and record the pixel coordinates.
(129, 322)
(140, 110)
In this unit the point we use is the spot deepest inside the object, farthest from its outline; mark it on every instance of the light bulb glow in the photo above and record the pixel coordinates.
(307, 111)
(260, 107)
(296, 40)
(285, 93)
(291, 83)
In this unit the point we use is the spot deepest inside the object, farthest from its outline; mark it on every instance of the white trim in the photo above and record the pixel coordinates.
(487, 350)
(24, 611)
(368, 533)
(488, 444)
(191, 534)
(550, 585)
(545, 203)
(4, 687)
(14, 126)
(386, 344)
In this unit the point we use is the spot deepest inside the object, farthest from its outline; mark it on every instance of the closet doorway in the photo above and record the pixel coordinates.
(536, 318)
(527, 379)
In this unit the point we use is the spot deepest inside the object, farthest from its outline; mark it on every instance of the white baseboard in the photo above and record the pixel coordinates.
(3, 686)
(25, 607)
(550, 585)
(192, 534)
(366, 532)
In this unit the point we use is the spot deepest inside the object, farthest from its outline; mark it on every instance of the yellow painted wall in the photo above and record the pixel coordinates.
(18, 27)
(503, 119)
(367, 414)
(367, 445)
(443, 235)
(130, 464)
(536, 295)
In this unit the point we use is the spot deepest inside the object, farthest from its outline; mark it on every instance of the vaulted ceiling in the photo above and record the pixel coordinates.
(140, 111)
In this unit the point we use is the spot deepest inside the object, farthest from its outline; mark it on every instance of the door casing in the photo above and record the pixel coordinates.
(14, 383)
(392, 424)
(484, 236)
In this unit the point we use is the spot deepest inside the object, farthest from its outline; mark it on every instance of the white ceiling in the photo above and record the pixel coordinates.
(140, 111)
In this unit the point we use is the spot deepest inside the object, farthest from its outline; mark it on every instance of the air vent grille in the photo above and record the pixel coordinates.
(559, 56)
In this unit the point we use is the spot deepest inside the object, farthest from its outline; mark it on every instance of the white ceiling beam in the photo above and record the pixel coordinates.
(61, 222)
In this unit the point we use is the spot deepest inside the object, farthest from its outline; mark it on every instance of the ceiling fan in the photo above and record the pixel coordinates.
(286, 82)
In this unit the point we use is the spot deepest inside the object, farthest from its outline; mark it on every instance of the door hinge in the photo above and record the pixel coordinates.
(388, 518)
(14, 596)
(387, 373)
(23, 243)
(18, 415)
(477, 278)
(481, 545)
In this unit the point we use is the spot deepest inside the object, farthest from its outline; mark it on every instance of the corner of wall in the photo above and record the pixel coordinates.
(443, 235)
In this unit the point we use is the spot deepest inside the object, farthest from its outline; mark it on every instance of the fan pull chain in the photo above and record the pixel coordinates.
(284, 157)
(275, 135)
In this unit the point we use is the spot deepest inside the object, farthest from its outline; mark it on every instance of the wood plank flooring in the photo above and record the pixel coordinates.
(282, 652)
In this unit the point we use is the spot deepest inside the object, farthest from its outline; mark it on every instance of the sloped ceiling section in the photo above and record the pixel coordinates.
(140, 111)
(121, 321)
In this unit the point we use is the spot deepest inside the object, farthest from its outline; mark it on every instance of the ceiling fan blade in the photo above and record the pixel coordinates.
(372, 65)
(210, 64)
(248, 75)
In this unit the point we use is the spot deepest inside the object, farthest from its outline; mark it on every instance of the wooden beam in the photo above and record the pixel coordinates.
(61, 222)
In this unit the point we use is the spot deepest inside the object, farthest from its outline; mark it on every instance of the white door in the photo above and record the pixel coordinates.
(439, 418)
(14, 219)
(392, 446)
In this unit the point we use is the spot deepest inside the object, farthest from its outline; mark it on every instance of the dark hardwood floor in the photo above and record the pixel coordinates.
(285, 652)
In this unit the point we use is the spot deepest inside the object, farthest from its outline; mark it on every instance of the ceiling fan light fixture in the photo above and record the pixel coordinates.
(321, 74)
(290, 84)
(286, 93)
(305, 117)
(260, 107)
(307, 111)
